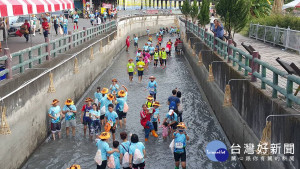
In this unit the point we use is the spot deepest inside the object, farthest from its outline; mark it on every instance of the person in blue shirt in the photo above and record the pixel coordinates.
(98, 95)
(148, 32)
(105, 101)
(103, 146)
(151, 51)
(152, 85)
(69, 110)
(85, 116)
(116, 154)
(146, 47)
(56, 115)
(121, 101)
(124, 147)
(174, 101)
(139, 147)
(157, 34)
(180, 137)
(111, 117)
(155, 117)
(75, 17)
(104, 15)
(61, 21)
(65, 25)
(135, 39)
(172, 119)
(55, 24)
(114, 87)
(102, 101)
(95, 117)
(218, 29)
(92, 18)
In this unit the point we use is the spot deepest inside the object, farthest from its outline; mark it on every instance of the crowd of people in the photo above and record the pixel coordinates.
(107, 112)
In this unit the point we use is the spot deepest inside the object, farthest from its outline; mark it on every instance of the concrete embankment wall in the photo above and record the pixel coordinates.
(27, 108)
(245, 120)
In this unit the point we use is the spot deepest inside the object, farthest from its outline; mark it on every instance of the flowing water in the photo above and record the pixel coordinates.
(202, 125)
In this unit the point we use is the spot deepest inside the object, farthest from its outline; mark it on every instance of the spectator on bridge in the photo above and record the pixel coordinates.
(212, 20)
(218, 29)
(65, 25)
(45, 26)
(26, 29)
(41, 19)
(180, 137)
(75, 17)
(69, 110)
(85, 117)
(104, 16)
(137, 153)
(56, 115)
(61, 21)
(55, 24)
(92, 18)
(34, 23)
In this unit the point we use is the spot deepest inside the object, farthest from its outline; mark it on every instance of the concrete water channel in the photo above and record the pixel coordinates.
(202, 125)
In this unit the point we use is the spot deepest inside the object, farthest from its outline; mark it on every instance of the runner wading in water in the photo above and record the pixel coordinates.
(95, 121)
(140, 64)
(130, 69)
(180, 137)
(137, 153)
(85, 117)
(102, 102)
(56, 115)
(146, 122)
(69, 110)
(124, 149)
(172, 119)
(122, 101)
(156, 57)
(152, 85)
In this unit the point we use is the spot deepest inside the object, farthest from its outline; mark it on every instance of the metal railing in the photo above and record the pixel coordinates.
(287, 38)
(250, 64)
(37, 54)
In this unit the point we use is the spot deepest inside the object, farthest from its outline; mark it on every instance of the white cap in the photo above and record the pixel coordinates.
(171, 112)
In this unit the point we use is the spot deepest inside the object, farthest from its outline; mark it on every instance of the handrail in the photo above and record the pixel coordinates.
(250, 63)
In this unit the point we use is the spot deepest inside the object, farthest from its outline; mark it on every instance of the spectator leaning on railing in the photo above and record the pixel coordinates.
(218, 29)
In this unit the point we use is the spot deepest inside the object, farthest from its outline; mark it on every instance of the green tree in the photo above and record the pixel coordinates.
(260, 8)
(203, 17)
(234, 14)
(185, 9)
(194, 11)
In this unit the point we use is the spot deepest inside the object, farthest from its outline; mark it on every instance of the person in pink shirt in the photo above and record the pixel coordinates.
(127, 43)
(146, 58)
(165, 129)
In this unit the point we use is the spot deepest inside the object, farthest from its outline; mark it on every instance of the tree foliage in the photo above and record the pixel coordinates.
(194, 11)
(185, 8)
(203, 17)
(260, 8)
(234, 14)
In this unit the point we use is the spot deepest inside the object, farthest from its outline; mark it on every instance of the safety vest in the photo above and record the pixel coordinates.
(149, 104)
(156, 55)
(164, 54)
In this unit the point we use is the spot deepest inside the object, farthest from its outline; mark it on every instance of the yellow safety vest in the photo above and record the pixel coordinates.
(149, 104)
(156, 55)
(164, 54)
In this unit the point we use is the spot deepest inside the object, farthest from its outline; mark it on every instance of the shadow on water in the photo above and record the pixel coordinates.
(202, 125)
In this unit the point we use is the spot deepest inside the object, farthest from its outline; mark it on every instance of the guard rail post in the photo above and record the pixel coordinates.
(254, 66)
(215, 42)
(70, 39)
(84, 34)
(48, 48)
(8, 63)
(229, 49)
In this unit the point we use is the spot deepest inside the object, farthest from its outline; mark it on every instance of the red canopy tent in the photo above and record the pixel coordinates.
(26, 7)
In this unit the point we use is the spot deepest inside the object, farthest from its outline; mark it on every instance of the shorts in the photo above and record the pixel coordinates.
(71, 123)
(155, 60)
(112, 130)
(76, 22)
(130, 73)
(180, 156)
(55, 127)
(141, 165)
(174, 126)
(102, 117)
(140, 73)
(87, 121)
(135, 44)
(95, 127)
(151, 54)
(121, 115)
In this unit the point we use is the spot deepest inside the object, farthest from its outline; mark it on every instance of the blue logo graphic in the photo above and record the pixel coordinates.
(217, 151)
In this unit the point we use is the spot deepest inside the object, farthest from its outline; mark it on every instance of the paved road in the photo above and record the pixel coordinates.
(202, 125)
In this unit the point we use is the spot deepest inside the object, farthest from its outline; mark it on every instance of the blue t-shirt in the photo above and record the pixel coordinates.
(136, 39)
(48, 19)
(104, 147)
(105, 102)
(154, 117)
(173, 117)
(117, 160)
(152, 86)
(65, 22)
(140, 146)
(96, 113)
(55, 112)
(174, 99)
(76, 17)
(126, 145)
(151, 49)
(122, 101)
(146, 48)
(219, 31)
(92, 16)
(149, 43)
(69, 115)
(98, 96)
(161, 32)
(114, 88)
(148, 31)
(105, 14)
(180, 142)
(111, 116)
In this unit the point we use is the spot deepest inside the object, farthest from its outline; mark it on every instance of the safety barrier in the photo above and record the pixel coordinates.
(250, 64)
(39, 53)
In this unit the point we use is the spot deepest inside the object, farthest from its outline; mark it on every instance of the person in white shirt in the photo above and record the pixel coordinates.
(212, 18)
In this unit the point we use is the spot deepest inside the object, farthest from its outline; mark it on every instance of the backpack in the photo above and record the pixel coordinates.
(138, 157)
(125, 160)
(172, 105)
(98, 157)
(111, 162)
